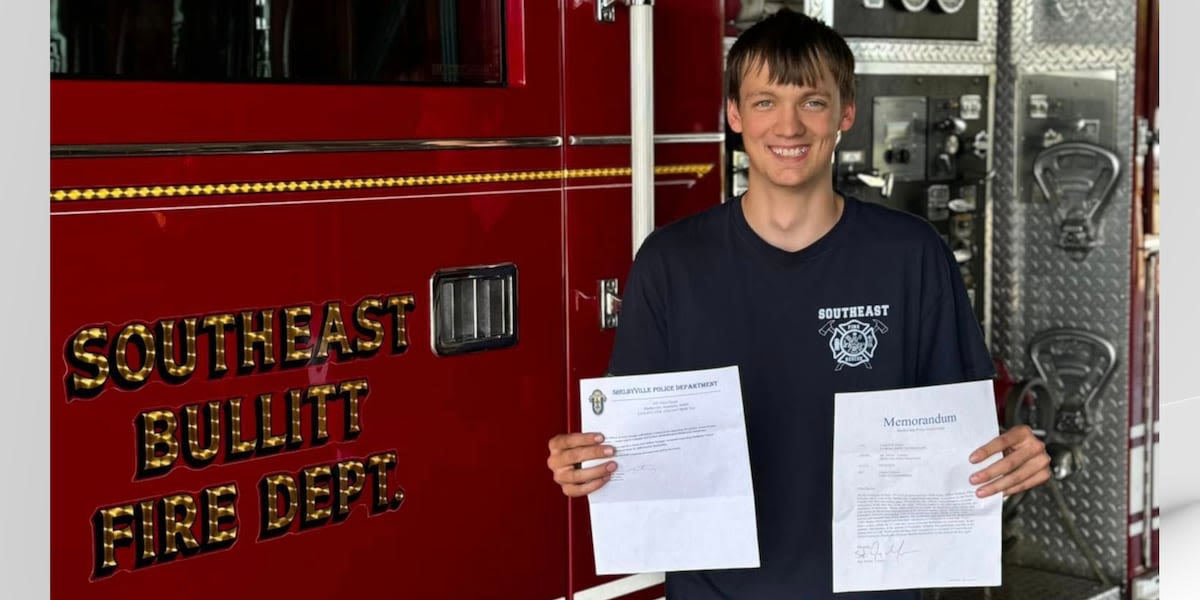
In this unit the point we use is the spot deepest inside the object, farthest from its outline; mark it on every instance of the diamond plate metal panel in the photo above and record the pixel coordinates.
(1029, 39)
(921, 51)
(1081, 21)
(934, 51)
(1037, 287)
(1026, 584)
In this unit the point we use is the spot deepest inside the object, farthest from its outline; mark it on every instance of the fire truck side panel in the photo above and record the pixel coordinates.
(598, 241)
(108, 112)
(461, 427)
(434, 485)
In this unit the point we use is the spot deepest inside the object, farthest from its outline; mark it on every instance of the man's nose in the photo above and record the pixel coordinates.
(789, 123)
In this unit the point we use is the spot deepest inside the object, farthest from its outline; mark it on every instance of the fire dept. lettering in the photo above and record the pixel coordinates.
(288, 337)
(323, 494)
(162, 528)
(853, 312)
(195, 431)
(150, 531)
(154, 530)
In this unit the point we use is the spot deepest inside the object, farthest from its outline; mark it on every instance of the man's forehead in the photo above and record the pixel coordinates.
(757, 77)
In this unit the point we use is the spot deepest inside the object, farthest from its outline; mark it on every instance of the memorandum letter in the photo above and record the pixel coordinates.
(681, 497)
(905, 514)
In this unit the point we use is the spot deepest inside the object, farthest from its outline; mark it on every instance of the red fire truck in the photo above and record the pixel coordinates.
(326, 275)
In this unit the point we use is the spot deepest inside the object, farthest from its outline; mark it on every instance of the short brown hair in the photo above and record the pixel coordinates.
(796, 49)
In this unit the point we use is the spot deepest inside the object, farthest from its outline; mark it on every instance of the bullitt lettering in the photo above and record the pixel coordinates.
(202, 433)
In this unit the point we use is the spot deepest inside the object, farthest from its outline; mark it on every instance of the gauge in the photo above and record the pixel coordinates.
(951, 6)
(914, 5)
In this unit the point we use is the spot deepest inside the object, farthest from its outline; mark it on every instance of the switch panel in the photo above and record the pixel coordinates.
(899, 137)
(926, 145)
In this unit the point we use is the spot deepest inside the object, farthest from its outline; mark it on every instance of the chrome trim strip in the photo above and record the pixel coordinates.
(662, 138)
(218, 148)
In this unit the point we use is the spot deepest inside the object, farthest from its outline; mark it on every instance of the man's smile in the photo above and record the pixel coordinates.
(790, 152)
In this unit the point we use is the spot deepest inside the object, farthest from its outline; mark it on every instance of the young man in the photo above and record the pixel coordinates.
(764, 281)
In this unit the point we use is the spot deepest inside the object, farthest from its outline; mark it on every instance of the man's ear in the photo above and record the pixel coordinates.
(849, 111)
(733, 116)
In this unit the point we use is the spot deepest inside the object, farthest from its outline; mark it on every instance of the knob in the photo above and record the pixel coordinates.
(954, 124)
(952, 145)
(945, 164)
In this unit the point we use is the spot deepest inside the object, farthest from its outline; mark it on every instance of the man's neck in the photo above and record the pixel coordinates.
(791, 220)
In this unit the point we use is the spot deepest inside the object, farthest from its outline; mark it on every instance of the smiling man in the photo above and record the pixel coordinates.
(809, 293)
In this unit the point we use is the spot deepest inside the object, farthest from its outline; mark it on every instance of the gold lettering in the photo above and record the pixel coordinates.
(167, 333)
(295, 423)
(349, 487)
(314, 492)
(220, 504)
(155, 439)
(146, 512)
(212, 412)
(176, 531)
(219, 324)
(400, 305)
(355, 390)
(268, 441)
(272, 522)
(319, 395)
(333, 332)
(80, 383)
(108, 534)
(294, 331)
(237, 447)
(146, 338)
(252, 337)
(381, 463)
(366, 323)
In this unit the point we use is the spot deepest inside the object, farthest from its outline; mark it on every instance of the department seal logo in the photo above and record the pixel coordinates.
(597, 399)
(853, 342)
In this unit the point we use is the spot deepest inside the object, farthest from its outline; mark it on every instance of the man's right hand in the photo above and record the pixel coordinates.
(567, 451)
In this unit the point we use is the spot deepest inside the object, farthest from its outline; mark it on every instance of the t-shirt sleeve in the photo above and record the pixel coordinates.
(641, 341)
(951, 346)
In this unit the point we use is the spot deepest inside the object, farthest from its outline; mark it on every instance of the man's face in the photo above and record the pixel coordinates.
(789, 131)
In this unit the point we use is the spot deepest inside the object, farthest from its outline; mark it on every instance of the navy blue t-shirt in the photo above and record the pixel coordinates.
(876, 303)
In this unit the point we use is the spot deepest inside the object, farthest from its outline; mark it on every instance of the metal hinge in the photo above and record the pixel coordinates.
(1144, 137)
(610, 303)
(606, 10)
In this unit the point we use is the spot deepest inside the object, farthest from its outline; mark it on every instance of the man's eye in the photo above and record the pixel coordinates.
(762, 104)
(816, 104)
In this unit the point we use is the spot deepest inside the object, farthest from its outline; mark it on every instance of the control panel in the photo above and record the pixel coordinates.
(920, 144)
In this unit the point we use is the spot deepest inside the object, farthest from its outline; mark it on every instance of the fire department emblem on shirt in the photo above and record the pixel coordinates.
(853, 342)
(597, 399)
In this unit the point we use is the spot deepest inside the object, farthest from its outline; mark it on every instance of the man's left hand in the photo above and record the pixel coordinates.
(1025, 464)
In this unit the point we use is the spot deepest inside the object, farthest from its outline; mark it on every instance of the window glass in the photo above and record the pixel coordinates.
(457, 42)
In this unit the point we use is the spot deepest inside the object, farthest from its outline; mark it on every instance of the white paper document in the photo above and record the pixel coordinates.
(905, 514)
(681, 497)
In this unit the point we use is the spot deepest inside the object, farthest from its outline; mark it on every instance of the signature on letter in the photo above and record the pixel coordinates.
(877, 553)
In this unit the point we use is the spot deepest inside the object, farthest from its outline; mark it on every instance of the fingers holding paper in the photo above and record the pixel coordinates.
(1025, 464)
(568, 451)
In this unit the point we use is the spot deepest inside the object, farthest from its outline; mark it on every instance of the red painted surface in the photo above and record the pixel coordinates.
(468, 431)
(83, 112)
(688, 86)
(481, 517)
(1143, 222)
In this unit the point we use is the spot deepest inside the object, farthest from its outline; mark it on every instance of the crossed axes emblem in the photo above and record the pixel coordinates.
(853, 342)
